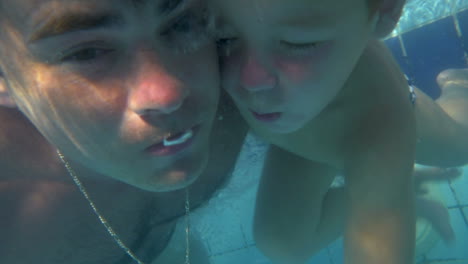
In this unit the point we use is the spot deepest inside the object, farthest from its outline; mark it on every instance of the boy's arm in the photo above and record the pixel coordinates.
(296, 214)
(381, 224)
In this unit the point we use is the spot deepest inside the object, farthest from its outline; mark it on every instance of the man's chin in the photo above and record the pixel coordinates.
(178, 180)
(177, 177)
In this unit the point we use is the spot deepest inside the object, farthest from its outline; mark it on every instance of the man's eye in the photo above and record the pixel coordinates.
(84, 55)
(188, 33)
(226, 45)
(188, 25)
(225, 42)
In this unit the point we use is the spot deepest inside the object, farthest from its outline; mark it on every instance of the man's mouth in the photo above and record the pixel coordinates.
(178, 138)
(175, 143)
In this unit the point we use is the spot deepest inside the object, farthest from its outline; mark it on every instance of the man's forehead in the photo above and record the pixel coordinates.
(293, 6)
(28, 13)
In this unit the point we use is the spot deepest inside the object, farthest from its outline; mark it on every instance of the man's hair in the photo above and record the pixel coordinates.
(373, 5)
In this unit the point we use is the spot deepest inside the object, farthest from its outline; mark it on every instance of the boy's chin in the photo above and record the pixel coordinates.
(285, 128)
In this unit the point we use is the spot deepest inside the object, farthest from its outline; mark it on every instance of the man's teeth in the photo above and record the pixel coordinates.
(176, 141)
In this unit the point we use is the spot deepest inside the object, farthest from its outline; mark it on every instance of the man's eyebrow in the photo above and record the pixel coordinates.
(69, 22)
(168, 6)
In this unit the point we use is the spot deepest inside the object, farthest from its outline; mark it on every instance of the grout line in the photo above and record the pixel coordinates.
(449, 260)
(423, 260)
(461, 206)
(243, 236)
(330, 256)
(233, 250)
(458, 203)
(208, 247)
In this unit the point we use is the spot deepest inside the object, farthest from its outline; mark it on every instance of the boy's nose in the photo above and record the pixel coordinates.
(256, 77)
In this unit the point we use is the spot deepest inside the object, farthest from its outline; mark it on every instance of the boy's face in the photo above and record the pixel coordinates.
(283, 61)
(109, 81)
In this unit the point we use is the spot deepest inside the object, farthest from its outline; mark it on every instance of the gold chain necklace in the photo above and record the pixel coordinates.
(111, 231)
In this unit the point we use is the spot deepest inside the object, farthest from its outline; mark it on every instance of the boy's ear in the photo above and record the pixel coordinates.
(5, 98)
(388, 14)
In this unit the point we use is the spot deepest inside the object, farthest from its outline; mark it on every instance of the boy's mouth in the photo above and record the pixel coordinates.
(267, 117)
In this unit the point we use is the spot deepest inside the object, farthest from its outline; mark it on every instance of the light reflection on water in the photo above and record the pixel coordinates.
(421, 12)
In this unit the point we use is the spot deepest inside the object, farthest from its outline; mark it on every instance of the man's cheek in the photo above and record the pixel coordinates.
(230, 72)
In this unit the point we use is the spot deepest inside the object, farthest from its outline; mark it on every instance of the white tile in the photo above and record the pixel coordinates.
(447, 194)
(246, 255)
(225, 223)
(336, 251)
(258, 257)
(460, 186)
(458, 250)
(451, 261)
(254, 256)
(323, 257)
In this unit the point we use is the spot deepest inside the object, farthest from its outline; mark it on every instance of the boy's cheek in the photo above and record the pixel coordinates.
(301, 68)
(295, 72)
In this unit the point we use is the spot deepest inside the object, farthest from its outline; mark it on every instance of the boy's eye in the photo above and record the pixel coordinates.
(298, 49)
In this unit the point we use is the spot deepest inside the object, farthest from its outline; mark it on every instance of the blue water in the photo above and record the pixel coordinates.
(418, 13)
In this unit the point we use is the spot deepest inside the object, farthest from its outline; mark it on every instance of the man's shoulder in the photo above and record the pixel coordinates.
(23, 150)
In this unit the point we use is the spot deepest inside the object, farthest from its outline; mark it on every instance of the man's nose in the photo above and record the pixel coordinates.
(156, 90)
(255, 76)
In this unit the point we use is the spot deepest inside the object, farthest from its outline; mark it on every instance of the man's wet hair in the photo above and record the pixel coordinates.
(373, 5)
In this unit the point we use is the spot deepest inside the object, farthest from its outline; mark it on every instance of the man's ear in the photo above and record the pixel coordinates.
(5, 98)
(388, 14)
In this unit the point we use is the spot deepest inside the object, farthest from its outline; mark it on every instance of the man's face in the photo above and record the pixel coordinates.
(284, 61)
(125, 88)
